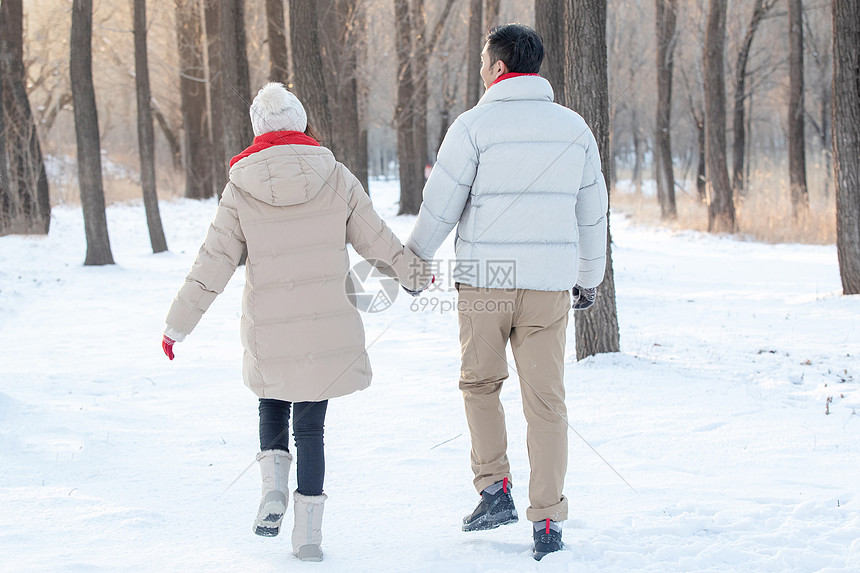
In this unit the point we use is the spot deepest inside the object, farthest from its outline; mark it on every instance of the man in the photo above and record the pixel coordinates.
(520, 178)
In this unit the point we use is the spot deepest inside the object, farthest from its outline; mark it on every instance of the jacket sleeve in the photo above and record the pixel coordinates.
(592, 204)
(446, 191)
(372, 239)
(215, 264)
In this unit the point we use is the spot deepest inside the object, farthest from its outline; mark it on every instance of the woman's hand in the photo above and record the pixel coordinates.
(167, 345)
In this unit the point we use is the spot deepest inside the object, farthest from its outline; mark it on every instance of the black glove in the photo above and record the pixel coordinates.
(412, 292)
(419, 291)
(583, 297)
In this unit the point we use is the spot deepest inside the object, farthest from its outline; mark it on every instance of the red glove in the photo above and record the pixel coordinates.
(167, 346)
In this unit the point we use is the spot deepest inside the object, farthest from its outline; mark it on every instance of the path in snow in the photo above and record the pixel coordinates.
(114, 458)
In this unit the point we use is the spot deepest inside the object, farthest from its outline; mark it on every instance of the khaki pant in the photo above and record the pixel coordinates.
(535, 322)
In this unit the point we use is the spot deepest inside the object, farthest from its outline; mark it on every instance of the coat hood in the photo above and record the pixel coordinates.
(283, 175)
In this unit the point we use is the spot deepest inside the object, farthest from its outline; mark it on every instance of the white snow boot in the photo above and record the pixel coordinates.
(307, 531)
(275, 470)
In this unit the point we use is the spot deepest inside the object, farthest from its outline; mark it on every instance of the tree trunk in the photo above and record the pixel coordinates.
(549, 23)
(411, 168)
(846, 139)
(236, 84)
(587, 91)
(667, 12)
(491, 17)
(192, 88)
(477, 39)
(145, 131)
(338, 41)
(310, 85)
(362, 90)
(419, 112)
(26, 205)
(796, 139)
(721, 208)
(827, 150)
(701, 174)
(169, 135)
(424, 47)
(278, 57)
(638, 152)
(220, 162)
(739, 122)
(87, 135)
(5, 189)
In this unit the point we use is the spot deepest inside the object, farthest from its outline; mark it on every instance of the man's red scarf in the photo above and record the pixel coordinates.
(273, 138)
(510, 75)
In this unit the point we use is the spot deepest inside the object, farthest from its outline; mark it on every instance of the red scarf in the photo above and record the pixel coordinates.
(510, 75)
(273, 138)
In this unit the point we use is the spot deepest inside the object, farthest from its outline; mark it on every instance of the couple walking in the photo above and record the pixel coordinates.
(518, 175)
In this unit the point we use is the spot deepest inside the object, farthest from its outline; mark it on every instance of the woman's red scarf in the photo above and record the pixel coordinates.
(273, 138)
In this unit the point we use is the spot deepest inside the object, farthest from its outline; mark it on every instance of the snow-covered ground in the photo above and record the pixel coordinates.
(112, 458)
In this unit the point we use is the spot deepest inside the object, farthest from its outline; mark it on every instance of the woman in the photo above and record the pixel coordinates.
(294, 208)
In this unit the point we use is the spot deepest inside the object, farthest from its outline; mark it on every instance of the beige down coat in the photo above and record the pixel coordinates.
(295, 208)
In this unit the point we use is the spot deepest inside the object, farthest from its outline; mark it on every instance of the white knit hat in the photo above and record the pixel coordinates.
(276, 109)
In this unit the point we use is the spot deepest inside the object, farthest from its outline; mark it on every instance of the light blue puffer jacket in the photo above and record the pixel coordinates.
(521, 175)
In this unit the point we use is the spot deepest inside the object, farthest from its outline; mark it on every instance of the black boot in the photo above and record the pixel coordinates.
(547, 538)
(496, 508)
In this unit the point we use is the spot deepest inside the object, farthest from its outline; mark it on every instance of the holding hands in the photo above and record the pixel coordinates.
(419, 291)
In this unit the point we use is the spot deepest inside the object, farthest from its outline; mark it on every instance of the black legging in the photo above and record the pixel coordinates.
(308, 424)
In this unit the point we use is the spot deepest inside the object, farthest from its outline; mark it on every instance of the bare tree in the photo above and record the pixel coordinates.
(215, 83)
(549, 23)
(5, 189)
(476, 41)
(587, 91)
(721, 208)
(491, 14)
(25, 205)
(760, 9)
(817, 43)
(87, 135)
(145, 131)
(360, 32)
(278, 56)
(846, 139)
(693, 79)
(340, 46)
(666, 16)
(192, 88)
(796, 139)
(169, 133)
(424, 47)
(411, 171)
(414, 45)
(310, 85)
(235, 86)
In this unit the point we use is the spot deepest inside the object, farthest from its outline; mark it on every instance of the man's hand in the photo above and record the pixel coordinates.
(583, 297)
(167, 346)
(417, 292)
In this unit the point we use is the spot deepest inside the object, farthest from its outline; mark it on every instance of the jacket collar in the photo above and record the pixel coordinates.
(518, 87)
(510, 75)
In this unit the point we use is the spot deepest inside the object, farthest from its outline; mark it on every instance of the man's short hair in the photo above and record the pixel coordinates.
(518, 46)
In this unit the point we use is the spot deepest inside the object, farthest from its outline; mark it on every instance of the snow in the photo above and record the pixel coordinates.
(714, 413)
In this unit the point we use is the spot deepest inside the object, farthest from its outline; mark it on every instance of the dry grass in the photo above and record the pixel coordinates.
(120, 180)
(764, 213)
